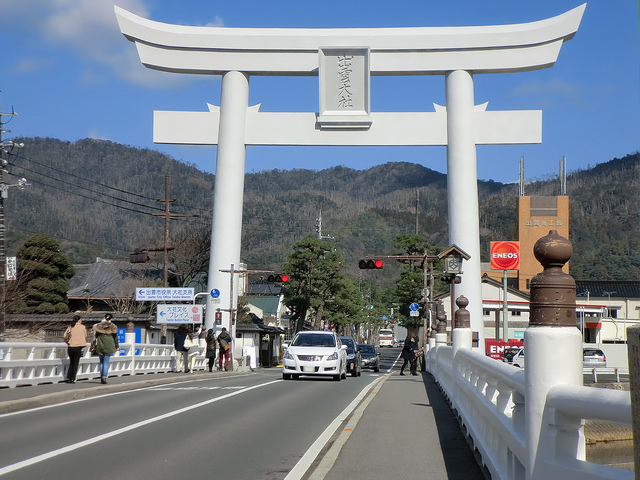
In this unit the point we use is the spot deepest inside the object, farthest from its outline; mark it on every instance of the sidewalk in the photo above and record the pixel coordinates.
(406, 431)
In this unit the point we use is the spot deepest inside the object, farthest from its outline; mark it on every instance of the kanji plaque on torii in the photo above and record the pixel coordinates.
(344, 116)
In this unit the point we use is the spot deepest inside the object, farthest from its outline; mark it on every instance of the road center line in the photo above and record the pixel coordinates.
(99, 438)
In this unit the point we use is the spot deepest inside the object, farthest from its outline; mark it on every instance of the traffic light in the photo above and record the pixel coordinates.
(370, 264)
(278, 278)
(218, 317)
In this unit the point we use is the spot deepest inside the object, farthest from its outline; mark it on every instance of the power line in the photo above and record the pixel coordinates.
(65, 173)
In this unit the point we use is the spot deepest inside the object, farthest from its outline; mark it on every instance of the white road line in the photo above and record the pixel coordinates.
(103, 395)
(329, 459)
(75, 446)
(308, 458)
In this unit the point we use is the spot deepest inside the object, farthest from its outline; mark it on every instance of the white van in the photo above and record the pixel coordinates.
(518, 359)
(386, 337)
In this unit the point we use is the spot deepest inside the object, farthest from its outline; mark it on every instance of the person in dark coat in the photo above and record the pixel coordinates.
(409, 355)
(224, 340)
(212, 345)
(182, 353)
(106, 335)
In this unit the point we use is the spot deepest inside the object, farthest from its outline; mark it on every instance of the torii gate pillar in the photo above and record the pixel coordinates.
(226, 226)
(462, 186)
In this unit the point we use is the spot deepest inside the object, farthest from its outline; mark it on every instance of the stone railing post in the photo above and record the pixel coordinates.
(553, 345)
(461, 334)
(130, 337)
(441, 328)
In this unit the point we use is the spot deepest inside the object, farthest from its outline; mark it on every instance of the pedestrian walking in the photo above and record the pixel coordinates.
(212, 345)
(224, 340)
(182, 357)
(409, 355)
(75, 336)
(106, 337)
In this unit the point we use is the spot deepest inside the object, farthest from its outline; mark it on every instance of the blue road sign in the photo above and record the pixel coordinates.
(215, 293)
(161, 294)
(414, 307)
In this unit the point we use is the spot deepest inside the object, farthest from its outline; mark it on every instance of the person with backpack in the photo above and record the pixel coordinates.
(224, 340)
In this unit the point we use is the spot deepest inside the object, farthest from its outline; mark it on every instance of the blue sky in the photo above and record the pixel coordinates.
(70, 74)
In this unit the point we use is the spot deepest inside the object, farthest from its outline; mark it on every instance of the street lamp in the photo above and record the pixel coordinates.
(453, 257)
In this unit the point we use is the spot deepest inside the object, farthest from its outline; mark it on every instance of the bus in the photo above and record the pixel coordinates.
(386, 338)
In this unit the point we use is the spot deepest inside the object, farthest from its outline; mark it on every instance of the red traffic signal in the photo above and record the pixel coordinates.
(218, 318)
(370, 264)
(281, 278)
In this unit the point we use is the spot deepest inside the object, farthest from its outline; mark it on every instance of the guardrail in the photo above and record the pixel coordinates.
(595, 371)
(23, 363)
(489, 398)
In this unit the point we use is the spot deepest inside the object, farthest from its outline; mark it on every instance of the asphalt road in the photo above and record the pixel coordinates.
(240, 427)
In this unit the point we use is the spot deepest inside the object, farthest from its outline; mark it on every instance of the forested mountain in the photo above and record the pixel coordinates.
(99, 198)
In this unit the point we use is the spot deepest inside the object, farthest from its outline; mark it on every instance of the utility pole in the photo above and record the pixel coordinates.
(5, 146)
(417, 205)
(319, 228)
(167, 216)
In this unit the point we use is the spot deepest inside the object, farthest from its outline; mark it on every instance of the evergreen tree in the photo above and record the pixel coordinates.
(42, 277)
(318, 286)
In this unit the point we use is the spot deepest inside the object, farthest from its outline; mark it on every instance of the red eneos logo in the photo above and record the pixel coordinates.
(505, 255)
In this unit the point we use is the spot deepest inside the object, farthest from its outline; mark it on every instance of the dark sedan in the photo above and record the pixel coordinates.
(370, 357)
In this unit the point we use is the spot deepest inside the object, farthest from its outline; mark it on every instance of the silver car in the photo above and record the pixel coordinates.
(593, 358)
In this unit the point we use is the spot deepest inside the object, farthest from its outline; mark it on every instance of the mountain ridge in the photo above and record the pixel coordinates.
(100, 198)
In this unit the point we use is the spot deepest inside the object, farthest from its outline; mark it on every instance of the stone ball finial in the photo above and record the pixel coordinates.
(130, 325)
(462, 315)
(462, 301)
(552, 296)
(552, 250)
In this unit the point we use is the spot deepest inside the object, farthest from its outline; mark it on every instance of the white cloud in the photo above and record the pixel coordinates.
(88, 30)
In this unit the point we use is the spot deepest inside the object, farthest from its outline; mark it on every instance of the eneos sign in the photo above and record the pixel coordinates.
(505, 255)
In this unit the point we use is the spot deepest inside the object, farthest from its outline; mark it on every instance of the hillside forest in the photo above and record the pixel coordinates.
(102, 199)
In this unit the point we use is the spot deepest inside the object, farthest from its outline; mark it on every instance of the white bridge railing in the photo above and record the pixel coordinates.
(23, 363)
(489, 398)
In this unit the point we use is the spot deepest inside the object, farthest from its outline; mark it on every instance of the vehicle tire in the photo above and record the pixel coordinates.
(337, 378)
(295, 377)
(377, 369)
(359, 372)
(344, 375)
(354, 373)
(286, 376)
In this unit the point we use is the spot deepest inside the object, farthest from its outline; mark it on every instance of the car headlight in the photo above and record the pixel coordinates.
(351, 356)
(288, 355)
(333, 356)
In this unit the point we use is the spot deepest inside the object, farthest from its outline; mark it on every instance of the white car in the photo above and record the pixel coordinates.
(315, 353)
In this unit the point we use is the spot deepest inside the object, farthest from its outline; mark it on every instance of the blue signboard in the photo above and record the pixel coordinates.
(137, 331)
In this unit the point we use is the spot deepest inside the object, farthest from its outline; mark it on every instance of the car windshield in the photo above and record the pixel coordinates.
(313, 340)
(367, 349)
(592, 353)
(349, 343)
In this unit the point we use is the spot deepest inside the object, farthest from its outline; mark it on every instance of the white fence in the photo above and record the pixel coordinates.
(489, 398)
(24, 363)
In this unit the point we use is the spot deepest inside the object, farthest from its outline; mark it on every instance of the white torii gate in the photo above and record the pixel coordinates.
(344, 59)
